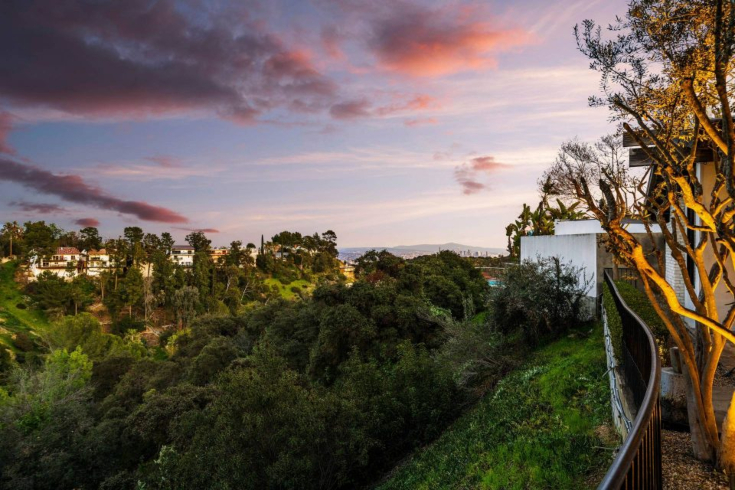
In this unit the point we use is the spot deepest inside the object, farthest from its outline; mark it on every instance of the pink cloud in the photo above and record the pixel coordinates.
(359, 108)
(469, 174)
(415, 40)
(85, 222)
(74, 189)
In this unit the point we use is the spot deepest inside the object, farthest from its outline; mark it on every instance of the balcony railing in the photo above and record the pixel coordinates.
(638, 462)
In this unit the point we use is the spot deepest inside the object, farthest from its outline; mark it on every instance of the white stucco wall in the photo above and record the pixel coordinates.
(587, 226)
(577, 250)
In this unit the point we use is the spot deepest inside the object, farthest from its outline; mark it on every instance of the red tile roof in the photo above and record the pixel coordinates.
(67, 251)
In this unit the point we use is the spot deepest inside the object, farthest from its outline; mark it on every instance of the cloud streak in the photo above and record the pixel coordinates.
(469, 174)
(38, 207)
(73, 188)
(198, 230)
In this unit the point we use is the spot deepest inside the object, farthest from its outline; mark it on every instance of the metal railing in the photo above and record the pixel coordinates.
(628, 275)
(638, 462)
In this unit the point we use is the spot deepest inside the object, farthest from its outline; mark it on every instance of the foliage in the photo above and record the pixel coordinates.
(327, 391)
(614, 323)
(666, 78)
(540, 299)
(537, 430)
(13, 319)
(540, 221)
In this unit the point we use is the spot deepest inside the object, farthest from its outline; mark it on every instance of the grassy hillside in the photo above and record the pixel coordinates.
(286, 290)
(15, 314)
(540, 428)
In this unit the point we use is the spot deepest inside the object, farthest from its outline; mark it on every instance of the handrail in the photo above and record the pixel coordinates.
(638, 462)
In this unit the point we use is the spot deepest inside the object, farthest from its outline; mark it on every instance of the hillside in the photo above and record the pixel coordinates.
(540, 428)
(16, 316)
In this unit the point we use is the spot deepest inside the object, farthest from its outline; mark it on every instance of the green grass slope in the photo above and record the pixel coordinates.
(286, 289)
(538, 429)
(15, 314)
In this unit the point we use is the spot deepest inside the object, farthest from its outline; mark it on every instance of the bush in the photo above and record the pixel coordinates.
(23, 342)
(295, 289)
(614, 322)
(541, 299)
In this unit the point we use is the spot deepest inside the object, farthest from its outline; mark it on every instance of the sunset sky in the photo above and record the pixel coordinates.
(390, 122)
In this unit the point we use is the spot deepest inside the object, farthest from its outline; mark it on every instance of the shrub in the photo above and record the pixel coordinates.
(295, 289)
(539, 299)
(23, 342)
(614, 322)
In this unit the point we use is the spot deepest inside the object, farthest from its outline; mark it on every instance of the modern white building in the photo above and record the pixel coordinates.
(580, 243)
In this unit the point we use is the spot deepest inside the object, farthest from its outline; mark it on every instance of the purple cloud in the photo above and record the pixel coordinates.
(138, 58)
(38, 207)
(85, 222)
(74, 189)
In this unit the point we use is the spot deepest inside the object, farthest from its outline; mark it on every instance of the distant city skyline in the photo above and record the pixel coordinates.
(389, 122)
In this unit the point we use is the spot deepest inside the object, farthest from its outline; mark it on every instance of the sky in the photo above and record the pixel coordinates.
(391, 122)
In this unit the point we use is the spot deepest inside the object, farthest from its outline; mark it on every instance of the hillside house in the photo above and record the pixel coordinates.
(218, 255)
(97, 261)
(183, 255)
(66, 262)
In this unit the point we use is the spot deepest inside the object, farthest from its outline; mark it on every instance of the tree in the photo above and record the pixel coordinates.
(184, 302)
(12, 232)
(40, 237)
(134, 236)
(542, 220)
(199, 241)
(666, 77)
(133, 289)
(90, 239)
(167, 242)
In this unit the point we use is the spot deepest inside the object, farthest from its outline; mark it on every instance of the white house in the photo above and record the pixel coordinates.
(65, 262)
(97, 262)
(183, 255)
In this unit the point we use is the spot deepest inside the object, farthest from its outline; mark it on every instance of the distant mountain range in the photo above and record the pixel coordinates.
(420, 249)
